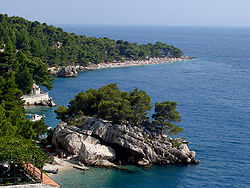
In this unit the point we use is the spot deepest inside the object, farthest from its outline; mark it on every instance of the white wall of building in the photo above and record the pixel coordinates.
(32, 99)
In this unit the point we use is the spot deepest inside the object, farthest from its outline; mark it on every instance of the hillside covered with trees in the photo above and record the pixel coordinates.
(56, 47)
(17, 134)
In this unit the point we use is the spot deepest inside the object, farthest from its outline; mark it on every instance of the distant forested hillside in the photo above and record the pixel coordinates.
(56, 47)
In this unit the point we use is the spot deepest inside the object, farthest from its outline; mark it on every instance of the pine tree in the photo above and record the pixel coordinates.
(165, 115)
(140, 103)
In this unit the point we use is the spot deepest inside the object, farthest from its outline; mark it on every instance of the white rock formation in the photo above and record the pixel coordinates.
(129, 144)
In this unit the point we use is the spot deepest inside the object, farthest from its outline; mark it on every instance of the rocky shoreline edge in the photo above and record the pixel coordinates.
(72, 71)
(100, 143)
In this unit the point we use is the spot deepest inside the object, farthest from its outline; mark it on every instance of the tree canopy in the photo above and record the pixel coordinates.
(109, 103)
(26, 69)
(18, 149)
(12, 113)
(16, 132)
(165, 115)
(57, 47)
(130, 108)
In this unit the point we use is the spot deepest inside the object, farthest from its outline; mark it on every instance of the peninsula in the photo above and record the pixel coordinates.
(67, 53)
(72, 71)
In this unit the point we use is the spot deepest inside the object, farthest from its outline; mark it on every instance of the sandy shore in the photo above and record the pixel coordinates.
(131, 63)
(63, 164)
(128, 63)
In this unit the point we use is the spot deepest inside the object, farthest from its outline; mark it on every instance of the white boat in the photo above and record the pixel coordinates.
(35, 117)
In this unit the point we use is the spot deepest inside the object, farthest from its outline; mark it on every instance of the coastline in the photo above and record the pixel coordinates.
(127, 63)
(130, 63)
(63, 164)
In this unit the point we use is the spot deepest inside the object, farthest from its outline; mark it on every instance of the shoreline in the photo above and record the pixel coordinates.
(127, 63)
(63, 164)
(131, 63)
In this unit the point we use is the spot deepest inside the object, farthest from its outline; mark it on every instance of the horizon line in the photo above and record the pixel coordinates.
(149, 25)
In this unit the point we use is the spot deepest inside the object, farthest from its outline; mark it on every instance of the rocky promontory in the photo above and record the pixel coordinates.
(100, 143)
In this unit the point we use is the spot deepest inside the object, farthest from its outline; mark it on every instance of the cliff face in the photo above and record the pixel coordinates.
(99, 143)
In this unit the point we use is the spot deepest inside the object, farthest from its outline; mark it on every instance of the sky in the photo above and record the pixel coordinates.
(132, 12)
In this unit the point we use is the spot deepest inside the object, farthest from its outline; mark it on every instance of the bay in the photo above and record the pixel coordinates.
(212, 94)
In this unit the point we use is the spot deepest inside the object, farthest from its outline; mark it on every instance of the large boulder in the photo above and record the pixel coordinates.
(69, 71)
(88, 148)
(90, 153)
(98, 141)
(68, 138)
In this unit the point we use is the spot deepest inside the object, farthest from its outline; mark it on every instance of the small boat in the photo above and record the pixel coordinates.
(35, 117)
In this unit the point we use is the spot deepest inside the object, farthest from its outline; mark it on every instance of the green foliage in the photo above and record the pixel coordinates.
(16, 132)
(39, 127)
(118, 110)
(12, 113)
(164, 116)
(56, 47)
(79, 121)
(61, 112)
(140, 102)
(10, 95)
(18, 149)
(25, 69)
(24, 79)
(175, 143)
(109, 103)
(40, 45)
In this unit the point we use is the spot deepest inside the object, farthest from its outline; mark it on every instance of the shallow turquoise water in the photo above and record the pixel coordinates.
(213, 96)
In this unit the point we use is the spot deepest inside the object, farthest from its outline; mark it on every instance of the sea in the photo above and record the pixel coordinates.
(213, 95)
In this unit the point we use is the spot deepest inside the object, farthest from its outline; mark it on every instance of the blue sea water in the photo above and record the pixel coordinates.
(213, 95)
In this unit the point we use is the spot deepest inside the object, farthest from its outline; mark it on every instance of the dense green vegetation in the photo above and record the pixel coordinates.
(29, 47)
(17, 74)
(13, 124)
(121, 107)
(56, 47)
(26, 69)
(12, 113)
(18, 149)
(164, 116)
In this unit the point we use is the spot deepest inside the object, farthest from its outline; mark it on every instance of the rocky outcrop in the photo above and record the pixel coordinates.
(109, 143)
(44, 102)
(89, 153)
(89, 149)
(69, 71)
